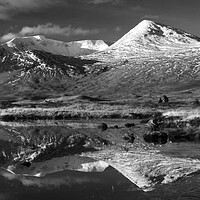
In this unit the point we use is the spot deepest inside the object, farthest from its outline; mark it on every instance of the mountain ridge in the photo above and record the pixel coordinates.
(41, 43)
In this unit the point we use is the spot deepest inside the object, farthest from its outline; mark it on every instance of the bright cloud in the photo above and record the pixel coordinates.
(7, 37)
(53, 180)
(49, 29)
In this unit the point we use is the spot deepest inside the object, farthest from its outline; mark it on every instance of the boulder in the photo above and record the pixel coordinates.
(156, 137)
(103, 126)
(128, 125)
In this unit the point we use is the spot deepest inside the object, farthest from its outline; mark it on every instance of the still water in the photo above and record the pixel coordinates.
(68, 184)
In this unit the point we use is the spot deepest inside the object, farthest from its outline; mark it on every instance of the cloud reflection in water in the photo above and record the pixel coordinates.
(51, 180)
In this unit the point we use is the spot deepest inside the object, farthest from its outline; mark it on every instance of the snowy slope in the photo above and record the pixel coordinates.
(41, 43)
(147, 38)
(154, 36)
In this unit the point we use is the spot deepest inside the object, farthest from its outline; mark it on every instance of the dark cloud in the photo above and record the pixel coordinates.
(9, 8)
(137, 8)
(104, 1)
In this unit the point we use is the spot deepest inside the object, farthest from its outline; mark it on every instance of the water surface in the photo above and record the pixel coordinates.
(68, 184)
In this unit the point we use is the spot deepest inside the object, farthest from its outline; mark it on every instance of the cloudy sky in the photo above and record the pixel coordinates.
(69, 20)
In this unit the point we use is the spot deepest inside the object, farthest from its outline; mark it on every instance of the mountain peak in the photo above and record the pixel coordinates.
(148, 28)
(150, 34)
(144, 27)
(149, 37)
(145, 23)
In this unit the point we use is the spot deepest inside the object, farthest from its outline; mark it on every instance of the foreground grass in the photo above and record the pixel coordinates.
(87, 110)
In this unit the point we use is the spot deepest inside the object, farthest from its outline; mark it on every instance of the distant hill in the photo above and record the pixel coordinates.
(40, 43)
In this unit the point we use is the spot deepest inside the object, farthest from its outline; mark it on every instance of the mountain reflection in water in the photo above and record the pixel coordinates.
(46, 162)
(65, 184)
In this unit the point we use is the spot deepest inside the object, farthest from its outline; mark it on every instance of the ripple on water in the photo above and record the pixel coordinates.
(182, 149)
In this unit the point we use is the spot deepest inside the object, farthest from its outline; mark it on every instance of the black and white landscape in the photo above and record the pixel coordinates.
(99, 119)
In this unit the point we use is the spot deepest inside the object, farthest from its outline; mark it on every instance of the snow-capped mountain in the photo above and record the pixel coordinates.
(150, 57)
(147, 38)
(40, 43)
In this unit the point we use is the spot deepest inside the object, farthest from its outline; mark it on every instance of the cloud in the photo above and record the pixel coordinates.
(117, 29)
(153, 17)
(3, 196)
(55, 182)
(49, 29)
(7, 37)
(114, 2)
(9, 8)
(137, 8)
